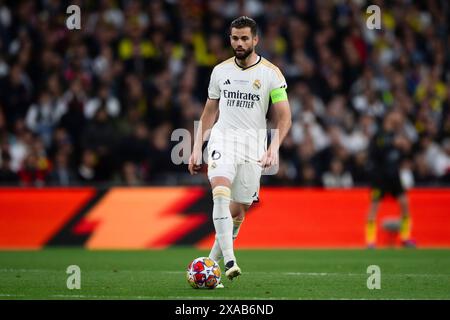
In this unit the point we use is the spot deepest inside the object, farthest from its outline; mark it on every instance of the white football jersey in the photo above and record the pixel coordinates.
(244, 98)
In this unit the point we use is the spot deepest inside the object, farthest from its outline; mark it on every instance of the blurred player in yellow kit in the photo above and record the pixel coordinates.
(386, 153)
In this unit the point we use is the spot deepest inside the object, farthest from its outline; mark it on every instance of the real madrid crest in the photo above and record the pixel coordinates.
(257, 84)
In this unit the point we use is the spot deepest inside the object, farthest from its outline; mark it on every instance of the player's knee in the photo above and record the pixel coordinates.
(220, 181)
(402, 199)
(238, 210)
(371, 216)
(242, 210)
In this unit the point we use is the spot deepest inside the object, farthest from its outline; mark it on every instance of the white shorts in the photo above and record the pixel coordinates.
(244, 175)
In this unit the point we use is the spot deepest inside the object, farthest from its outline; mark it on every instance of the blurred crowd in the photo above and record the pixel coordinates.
(99, 104)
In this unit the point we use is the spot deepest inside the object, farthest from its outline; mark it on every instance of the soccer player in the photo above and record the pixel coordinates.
(241, 89)
(386, 152)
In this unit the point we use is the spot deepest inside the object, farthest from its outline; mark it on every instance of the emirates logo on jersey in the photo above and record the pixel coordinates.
(241, 95)
(257, 84)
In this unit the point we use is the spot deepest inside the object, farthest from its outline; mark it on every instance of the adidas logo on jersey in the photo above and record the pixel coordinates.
(227, 82)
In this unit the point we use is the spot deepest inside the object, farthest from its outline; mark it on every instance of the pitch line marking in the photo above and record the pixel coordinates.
(24, 270)
(323, 274)
(186, 297)
(312, 274)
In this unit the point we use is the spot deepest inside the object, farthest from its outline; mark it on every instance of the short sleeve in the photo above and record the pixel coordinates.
(278, 80)
(213, 88)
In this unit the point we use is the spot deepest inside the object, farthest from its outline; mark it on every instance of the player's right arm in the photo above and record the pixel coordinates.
(206, 122)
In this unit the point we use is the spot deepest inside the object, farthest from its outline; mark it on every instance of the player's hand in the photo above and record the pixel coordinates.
(269, 158)
(195, 162)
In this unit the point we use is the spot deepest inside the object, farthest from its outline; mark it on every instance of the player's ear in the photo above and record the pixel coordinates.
(255, 40)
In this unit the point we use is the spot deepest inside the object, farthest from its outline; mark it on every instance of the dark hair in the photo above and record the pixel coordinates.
(243, 22)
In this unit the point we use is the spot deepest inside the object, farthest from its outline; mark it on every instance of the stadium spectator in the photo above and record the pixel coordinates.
(7, 176)
(43, 116)
(135, 146)
(87, 170)
(131, 176)
(61, 173)
(100, 137)
(105, 100)
(35, 168)
(336, 177)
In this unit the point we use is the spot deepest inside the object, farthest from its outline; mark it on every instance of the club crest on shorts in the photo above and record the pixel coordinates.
(257, 84)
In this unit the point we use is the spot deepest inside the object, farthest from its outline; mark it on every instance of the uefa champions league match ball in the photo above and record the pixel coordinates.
(203, 273)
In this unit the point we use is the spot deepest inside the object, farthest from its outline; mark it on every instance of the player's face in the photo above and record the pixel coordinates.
(242, 42)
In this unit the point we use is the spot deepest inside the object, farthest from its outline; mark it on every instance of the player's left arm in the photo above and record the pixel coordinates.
(281, 115)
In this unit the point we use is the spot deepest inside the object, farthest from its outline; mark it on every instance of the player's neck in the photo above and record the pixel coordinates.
(250, 60)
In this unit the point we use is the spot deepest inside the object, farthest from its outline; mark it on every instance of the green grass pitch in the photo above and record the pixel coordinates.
(267, 274)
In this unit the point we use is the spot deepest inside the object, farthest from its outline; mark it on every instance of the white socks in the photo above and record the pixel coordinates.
(216, 252)
(223, 222)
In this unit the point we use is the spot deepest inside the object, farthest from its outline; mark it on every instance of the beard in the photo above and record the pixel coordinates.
(242, 55)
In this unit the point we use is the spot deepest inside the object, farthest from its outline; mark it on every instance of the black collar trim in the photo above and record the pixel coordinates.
(245, 68)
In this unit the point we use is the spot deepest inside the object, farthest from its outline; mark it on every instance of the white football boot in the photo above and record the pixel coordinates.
(232, 270)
